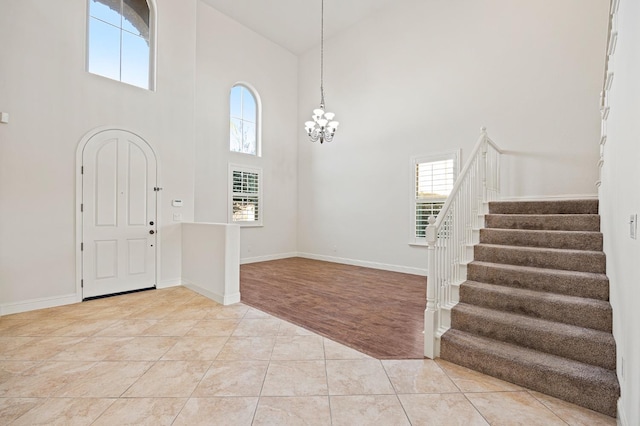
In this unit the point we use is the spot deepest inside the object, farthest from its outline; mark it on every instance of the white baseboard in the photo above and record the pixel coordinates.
(550, 197)
(169, 283)
(622, 417)
(228, 299)
(207, 293)
(367, 264)
(41, 303)
(267, 258)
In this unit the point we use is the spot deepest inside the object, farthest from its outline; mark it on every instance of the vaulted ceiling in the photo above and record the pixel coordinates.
(295, 24)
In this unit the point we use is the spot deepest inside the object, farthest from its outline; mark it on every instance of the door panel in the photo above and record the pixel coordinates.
(118, 181)
(137, 256)
(106, 259)
(105, 165)
(138, 187)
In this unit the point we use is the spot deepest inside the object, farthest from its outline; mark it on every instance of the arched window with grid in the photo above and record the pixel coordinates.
(244, 120)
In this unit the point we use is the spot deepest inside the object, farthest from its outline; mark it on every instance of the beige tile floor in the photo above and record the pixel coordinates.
(174, 357)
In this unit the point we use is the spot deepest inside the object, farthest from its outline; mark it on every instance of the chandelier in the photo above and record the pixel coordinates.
(323, 127)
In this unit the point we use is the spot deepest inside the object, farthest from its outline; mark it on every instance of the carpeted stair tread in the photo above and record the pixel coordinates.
(544, 207)
(550, 258)
(551, 222)
(569, 341)
(571, 283)
(578, 311)
(574, 240)
(586, 385)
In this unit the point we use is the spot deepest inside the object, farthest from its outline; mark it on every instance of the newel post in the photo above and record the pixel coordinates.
(483, 164)
(430, 313)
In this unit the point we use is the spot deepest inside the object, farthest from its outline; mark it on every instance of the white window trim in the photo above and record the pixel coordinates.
(256, 96)
(456, 155)
(248, 169)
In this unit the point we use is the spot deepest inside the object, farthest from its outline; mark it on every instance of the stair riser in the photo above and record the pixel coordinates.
(571, 261)
(560, 240)
(581, 391)
(588, 315)
(589, 223)
(582, 348)
(544, 207)
(594, 288)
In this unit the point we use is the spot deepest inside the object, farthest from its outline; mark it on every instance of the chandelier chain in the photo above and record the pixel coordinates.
(322, 54)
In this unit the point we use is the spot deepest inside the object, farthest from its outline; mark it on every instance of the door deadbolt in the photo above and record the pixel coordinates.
(151, 223)
(152, 232)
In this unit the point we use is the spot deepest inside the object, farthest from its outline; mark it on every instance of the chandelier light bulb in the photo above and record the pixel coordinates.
(329, 115)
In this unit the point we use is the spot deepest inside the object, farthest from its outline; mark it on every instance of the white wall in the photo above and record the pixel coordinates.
(227, 53)
(422, 77)
(52, 103)
(619, 198)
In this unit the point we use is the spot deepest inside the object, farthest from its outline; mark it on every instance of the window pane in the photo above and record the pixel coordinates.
(237, 181)
(423, 212)
(235, 102)
(104, 49)
(136, 17)
(106, 10)
(435, 178)
(250, 183)
(135, 60)
(248, 137)
(245, 209)
(235, 134)
(248, 106)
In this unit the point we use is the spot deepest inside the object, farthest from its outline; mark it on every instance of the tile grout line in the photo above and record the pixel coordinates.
(463, 393)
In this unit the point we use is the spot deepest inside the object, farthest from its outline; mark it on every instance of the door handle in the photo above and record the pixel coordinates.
(152, 232)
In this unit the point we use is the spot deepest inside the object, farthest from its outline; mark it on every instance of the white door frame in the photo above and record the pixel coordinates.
(78, 216)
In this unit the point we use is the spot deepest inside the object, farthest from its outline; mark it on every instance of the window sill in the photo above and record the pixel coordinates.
(419, 244)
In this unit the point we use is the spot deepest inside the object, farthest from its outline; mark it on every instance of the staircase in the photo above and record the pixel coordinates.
(534, 310)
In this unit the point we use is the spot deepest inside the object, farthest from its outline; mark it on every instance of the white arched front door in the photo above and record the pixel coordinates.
(119, 226)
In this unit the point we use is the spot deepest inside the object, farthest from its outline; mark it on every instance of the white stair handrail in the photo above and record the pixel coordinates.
(450, 234)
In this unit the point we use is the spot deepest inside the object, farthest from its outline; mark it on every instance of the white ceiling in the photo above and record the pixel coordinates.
(295, 24)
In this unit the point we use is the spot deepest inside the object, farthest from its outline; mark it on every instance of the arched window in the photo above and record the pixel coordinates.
(244, 126)
(120, 41)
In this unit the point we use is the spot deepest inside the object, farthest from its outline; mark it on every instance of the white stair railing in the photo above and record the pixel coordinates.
(451, 236)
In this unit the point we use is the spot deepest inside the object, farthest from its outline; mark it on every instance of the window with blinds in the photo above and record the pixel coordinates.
(433, 180)
(246, 195)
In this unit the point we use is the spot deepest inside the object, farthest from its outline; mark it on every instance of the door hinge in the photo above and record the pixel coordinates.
(81, 283)
(81, 246)
(81, 170)
(81, 208)
(157, 188)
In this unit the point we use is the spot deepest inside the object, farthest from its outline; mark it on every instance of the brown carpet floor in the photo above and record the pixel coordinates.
(376, 312)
